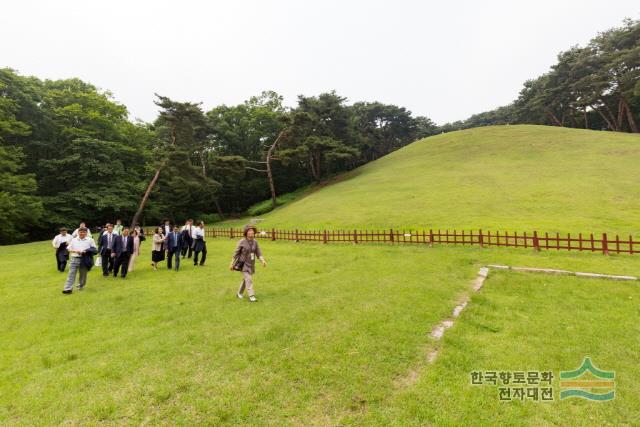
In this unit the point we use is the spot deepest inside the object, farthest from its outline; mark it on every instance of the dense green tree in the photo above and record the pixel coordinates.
(180, 185)
(382, 128)
(92, 176)
(75, 156)
(594, 87)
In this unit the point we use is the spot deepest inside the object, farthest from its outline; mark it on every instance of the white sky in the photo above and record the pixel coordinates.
(445, 60)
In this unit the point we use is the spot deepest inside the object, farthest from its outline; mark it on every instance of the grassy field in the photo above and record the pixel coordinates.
(525, 322)
(340, 335)
(519, 178)
(336, 331)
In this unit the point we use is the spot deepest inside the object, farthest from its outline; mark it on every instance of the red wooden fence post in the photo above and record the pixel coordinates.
(580, 242)
(605, 246)
(273, 234)
(536, 244)
(480, 239)
(431, 237)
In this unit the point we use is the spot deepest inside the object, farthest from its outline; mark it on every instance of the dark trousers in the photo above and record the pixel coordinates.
(204, 255)
(107, 263)
(121, 264)
(187, 249)
(62, 263)
(176, 252)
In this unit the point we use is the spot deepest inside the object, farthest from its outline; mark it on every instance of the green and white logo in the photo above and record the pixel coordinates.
(587, 382)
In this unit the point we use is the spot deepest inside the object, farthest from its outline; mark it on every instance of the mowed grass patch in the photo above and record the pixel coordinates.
(525, 322)
(520, 178)
(340, 333)
(334, 327)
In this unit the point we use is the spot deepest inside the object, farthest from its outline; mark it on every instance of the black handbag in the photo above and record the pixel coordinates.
(238, 265)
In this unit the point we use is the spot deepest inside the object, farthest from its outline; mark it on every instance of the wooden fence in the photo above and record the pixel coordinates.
(534, 240)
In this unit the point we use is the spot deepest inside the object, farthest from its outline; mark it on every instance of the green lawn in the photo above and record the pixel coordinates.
(525, 322)
(520, 178)
(336, 332)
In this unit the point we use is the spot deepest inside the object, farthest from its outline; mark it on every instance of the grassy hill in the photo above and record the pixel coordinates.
(494, 178)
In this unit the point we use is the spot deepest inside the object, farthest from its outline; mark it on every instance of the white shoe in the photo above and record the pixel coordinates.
(239, 295)
(252, 298)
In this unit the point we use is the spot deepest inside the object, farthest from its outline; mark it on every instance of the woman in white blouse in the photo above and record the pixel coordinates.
(199, 244)
(157, 253)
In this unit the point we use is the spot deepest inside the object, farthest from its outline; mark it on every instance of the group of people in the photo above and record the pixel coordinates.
(119, 246)
(172, 242)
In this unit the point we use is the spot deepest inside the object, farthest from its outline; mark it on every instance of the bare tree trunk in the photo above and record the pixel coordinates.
(586, 120)
(607, 121)
(218, 208)
(204, 164)
(554, 118)
(272, 186)
(612, 120)
(143, 202)
(154, 180)
(620, 114)
(312, 166)
(630, 119)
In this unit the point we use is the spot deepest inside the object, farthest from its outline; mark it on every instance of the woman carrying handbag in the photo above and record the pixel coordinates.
(244, 261)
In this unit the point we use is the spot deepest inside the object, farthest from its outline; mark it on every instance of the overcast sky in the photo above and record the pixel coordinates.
(445, 61)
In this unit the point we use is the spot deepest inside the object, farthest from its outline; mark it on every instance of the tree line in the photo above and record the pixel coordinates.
(596, 86)
(69, 153)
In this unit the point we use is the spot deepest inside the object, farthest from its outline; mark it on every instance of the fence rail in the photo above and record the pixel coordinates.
(534, 240)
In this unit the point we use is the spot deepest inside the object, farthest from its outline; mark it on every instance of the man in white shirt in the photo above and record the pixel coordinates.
(82, 225)
(77, 248)
(60, 242)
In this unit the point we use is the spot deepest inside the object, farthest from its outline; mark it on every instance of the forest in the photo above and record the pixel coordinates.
(69, 153)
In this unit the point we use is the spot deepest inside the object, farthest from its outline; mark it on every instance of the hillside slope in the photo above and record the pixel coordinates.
(495, 178)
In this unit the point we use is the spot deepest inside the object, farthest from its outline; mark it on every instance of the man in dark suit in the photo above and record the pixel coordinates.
(174, 246)
(123, 248)
(105, 243)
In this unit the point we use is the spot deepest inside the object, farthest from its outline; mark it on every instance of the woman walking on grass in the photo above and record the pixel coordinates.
(199, 244)
(157, 254)
(138, 238)
(244, 261)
